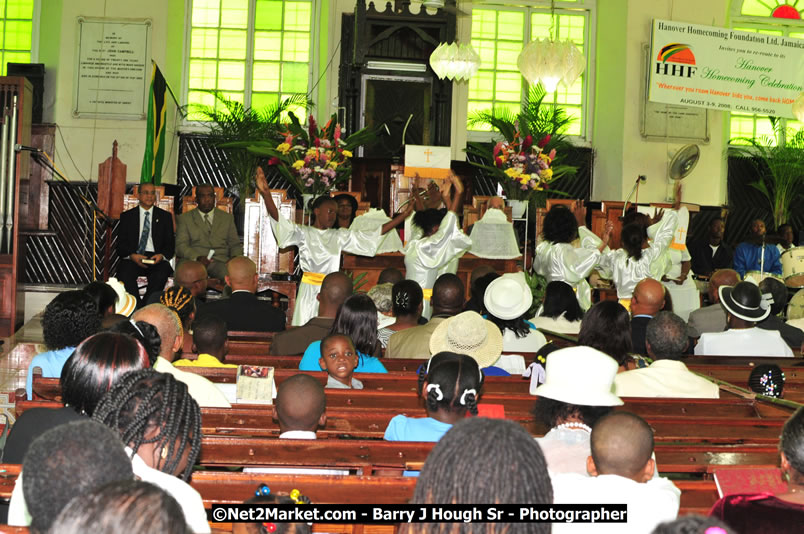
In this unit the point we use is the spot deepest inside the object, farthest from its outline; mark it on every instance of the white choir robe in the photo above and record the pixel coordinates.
(389, 242)
(627, 272)
(564, 262)
(686, 297)
(427, 258)
(320, 252)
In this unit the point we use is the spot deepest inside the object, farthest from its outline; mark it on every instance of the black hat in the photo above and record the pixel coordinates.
(744, 301)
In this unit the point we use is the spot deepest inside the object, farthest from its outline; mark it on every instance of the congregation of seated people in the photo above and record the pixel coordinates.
(130, 366)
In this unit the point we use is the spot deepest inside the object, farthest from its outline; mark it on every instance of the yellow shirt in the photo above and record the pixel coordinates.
(204, 360)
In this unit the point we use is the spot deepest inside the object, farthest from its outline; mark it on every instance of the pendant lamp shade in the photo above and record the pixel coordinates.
(454, 61)
(551, 62)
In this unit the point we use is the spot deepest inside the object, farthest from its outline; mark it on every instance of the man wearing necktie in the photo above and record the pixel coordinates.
(145, 244)
(207, 234)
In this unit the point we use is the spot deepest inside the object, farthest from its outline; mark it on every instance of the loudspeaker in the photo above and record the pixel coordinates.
(35, 72)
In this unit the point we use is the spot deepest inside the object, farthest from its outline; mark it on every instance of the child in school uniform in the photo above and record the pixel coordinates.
(450, 385)
(339, 359)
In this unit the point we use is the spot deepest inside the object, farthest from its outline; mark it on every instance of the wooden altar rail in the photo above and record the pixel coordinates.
(694, 424)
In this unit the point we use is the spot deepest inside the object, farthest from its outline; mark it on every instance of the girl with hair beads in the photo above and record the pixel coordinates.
(450, 386)
(160, 424)
(320, 245)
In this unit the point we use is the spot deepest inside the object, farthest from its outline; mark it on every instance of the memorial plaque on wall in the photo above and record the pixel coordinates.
(112, 73)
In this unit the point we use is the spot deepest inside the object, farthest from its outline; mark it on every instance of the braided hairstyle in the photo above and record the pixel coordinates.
(180, 300)
(483, 461)
(266, 496)
(145, 400)
(145, 333)
(453, 382)
(406, 297)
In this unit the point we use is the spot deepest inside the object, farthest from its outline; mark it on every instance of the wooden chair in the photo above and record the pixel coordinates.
(221, 202)
(163, 201)
(259, 242)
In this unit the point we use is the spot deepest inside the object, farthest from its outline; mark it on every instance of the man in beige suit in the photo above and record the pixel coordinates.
(207, 235)
(448, 298)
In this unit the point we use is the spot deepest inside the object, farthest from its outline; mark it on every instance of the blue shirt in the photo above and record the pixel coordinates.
(366, 363)
(402, 428)
(747, 257)
(51, 363)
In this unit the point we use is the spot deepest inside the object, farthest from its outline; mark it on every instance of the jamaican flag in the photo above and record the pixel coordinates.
(155, 131)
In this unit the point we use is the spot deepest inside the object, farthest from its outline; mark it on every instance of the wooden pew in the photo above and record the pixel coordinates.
(369, 457)
(231, 488)
(668, 425)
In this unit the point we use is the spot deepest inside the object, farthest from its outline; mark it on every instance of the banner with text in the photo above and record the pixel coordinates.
(719, 68)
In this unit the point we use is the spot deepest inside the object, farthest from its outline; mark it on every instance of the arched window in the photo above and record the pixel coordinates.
(771, 17)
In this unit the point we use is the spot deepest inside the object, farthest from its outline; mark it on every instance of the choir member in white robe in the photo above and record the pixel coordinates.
(440, 246)
(557, 259)
(320, 246)
(623, 268)
(682, 288)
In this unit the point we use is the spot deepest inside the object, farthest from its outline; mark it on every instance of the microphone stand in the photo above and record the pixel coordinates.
(640, 178)
(762, 261)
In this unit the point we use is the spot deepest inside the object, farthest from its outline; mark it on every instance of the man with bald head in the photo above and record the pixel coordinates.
(167, 323)
(243, 311)
(448, 300)
(712, 318)
(621, 469)
(646, 301)
(191, 275)
(335, 288)
(300, 407)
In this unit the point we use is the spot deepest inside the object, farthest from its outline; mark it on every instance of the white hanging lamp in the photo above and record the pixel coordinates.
(550, 61)
(798, 107)
(455, 62)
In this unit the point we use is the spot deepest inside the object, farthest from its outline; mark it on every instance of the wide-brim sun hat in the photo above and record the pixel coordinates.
(744, 301)
(126, 302)
(468, 333)
(580, 375)
(508, 297)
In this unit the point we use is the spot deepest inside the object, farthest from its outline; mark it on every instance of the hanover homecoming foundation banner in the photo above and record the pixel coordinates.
(718, 68)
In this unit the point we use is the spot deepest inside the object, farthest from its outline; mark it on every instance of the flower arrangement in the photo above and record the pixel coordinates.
(525, 167)
(313, 160)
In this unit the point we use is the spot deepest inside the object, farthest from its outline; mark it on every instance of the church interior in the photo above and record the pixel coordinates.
(614, 147)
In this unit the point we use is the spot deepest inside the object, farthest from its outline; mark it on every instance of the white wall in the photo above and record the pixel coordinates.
(89, 141)
(629, 154)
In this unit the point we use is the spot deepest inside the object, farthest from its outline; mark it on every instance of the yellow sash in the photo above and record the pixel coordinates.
(428, 294)
(314, 279)
(626, 304)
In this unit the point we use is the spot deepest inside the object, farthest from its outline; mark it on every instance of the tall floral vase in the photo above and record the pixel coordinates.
(518, 208)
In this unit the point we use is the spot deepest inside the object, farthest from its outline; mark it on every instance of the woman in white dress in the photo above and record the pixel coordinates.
(557, 259)
(320, 245)
(634, 262)
(440, 245)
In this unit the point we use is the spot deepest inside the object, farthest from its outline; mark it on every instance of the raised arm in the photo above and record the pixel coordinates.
(453, 202)
(265, 191)
(399, 219)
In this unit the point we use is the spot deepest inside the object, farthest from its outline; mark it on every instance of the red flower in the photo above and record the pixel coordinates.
(312, 127)
(527, 143)
(337, 134)
(499, 161)
(273, 161)
(317, 142)
(544, 141)
(497, 148)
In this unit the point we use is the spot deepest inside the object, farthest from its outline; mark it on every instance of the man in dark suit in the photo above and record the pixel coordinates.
(710, 253)
(646, 301)
(243, 311)
(145, 244)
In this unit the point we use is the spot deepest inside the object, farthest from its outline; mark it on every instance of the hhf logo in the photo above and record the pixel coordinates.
(676, 59)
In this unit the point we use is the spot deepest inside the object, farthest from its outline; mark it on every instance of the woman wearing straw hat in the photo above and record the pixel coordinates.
(507, 301)
(468, 333)
(577, 391)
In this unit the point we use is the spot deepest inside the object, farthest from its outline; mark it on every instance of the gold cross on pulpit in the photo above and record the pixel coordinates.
(428, 153)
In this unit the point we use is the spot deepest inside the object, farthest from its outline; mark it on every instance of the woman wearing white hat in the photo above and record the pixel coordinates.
(577, 391)
(507, 301)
